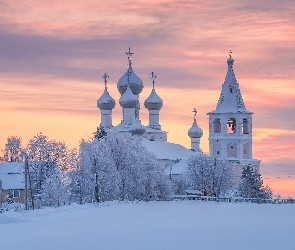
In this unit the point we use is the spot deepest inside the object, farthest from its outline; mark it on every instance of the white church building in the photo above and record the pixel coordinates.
(230, 124)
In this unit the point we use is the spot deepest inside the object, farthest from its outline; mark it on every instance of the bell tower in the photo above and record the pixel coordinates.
(230, 124)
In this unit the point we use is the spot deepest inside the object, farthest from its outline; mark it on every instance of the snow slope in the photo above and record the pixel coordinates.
(151, 226)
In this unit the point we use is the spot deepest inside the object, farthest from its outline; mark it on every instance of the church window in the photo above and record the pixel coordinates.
(245, 152)
(231, 147)
(231, 125)
(217, 152)
(216, 125)
(245, 126)
(231, 90)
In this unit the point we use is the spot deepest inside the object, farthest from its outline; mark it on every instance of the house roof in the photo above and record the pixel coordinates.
(12, 175)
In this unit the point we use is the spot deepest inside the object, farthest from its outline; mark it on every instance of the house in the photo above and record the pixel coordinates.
(13, 181)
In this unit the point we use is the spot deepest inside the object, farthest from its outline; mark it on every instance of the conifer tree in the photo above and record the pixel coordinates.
(251, 185)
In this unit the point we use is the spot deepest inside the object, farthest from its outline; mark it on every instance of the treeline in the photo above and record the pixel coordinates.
(114, 166)
(108, 167)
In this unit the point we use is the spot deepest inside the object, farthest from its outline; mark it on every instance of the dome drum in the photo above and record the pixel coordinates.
(137, 128)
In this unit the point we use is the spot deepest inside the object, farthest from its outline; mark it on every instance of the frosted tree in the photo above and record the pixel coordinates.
(115, 167)
(55, 190)
(100, 133)
(211, 176)
(48, 161)
(13, 149)
(251, 185)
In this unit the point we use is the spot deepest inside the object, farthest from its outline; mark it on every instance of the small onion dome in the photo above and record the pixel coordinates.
(137, 128)
(128, 99)
(106, 102)
(230, 62)
(153, 102)
(135, 82)
(195, 131)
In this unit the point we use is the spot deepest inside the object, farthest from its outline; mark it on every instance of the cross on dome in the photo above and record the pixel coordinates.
(129, 54)
(105, 76)
(153, 77)
(230, 52)
(195, 113)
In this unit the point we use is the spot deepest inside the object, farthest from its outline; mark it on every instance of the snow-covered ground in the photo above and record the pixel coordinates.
(151, 226)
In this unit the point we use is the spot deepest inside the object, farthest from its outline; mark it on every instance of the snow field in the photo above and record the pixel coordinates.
(151, 226)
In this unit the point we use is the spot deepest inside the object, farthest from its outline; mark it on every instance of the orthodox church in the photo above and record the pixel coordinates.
(230, 124)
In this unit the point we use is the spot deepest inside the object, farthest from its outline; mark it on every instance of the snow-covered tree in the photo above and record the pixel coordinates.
(115, 167)
(251, 185)
(13, 149)
(100, 132)
(55, 191)
(211, 176)
(49, 162)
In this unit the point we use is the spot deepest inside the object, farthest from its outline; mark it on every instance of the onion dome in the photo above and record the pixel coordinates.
(105, 102)
(130, 79)
(128, 99)
(195, 131)
(153, 102)
(230, 61)
(137, 128)
(135, 82)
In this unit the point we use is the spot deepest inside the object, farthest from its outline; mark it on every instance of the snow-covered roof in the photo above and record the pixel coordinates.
(230, 99)
(12, 175)
(191, 191)
(167, 150)
(177, 168)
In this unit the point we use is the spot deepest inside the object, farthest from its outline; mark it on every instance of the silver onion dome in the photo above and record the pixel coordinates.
(153, 102)
(128, 99)
(135, 83)
(106, 102)
(195, 131)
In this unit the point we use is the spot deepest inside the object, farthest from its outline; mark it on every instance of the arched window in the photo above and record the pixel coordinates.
(216, 125)
(231, 125)
(245, 126)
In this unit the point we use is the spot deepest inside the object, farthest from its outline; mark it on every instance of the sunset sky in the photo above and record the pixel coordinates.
(53, 54)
